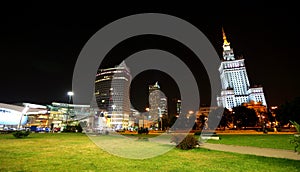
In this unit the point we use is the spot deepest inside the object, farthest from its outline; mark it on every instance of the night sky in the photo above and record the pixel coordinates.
(40, 44)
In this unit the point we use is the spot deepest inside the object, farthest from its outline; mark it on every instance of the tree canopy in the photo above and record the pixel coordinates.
(244, 117)
(290, 110)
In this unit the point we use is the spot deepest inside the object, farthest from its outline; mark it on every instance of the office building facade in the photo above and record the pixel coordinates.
(112, 94)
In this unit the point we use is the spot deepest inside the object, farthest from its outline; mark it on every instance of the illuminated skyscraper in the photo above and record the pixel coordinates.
(157, 101)
(112, 94)
(235, 83)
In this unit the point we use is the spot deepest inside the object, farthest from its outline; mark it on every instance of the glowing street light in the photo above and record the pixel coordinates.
(147, 110)
(70, 94)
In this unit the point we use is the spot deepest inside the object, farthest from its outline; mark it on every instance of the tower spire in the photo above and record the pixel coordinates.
(224, 37)
(227, 51)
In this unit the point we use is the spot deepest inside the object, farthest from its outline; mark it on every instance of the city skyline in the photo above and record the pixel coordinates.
(40, 55)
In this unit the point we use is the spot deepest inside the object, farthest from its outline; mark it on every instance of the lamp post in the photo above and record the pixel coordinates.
(147, 110)
(160, 115)
(112, 115)
(70, 94)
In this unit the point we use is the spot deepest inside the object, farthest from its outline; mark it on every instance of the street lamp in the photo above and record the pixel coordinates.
(160, 115)
(147, 110)
(112, 115)
(70, 94)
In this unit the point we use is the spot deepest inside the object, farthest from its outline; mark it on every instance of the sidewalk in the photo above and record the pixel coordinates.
(267, 152)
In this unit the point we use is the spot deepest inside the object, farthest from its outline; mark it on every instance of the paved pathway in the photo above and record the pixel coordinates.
(267, 152)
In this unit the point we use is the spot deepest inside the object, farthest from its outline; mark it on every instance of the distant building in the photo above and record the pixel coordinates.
(256, 106)
(112, 94)
(158, 102)
(134, 118)
(62, 114)
(22, 115)
(178, 107)
(55, 116)
(235, 83)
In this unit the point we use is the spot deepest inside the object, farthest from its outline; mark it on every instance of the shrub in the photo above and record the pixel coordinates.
(79, 128)
(184, 142)
(106, 132)
(296, 141)
(296, 138)
(296, 125)
(197, 133)
(143, 130)
(73, 129)
(21, 134)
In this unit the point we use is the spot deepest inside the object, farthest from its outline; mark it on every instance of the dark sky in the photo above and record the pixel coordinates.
(41, 42)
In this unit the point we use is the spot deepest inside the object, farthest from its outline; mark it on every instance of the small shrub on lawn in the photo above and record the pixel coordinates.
(296, 138)
(21, 134)
(184, 142)
(296, 141)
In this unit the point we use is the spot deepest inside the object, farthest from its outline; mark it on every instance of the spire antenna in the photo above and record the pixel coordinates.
(224, 37)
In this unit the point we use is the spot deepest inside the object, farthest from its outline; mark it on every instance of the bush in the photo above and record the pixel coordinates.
(184, 142)
(21, 134)
(197, 133)
(79, 128)
(73, 129)
(296, 138)
(296, 141)
(143, 130)
(296, 125)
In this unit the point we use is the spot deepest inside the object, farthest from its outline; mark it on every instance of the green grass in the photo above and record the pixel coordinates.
(276, 141)
(76, 152)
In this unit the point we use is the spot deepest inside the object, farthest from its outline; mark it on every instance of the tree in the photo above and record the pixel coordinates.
(202, 120)
(171, 120)
(290, 110)
(220, 117)
(214, 118)
(244, 117)
(226, 119)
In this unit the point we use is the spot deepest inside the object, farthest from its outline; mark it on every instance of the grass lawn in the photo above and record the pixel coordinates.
(277, 141)
(76, 152)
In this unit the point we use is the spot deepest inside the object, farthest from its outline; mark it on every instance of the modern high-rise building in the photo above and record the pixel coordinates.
(112, 94)
(157, 102)
(235, 83)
